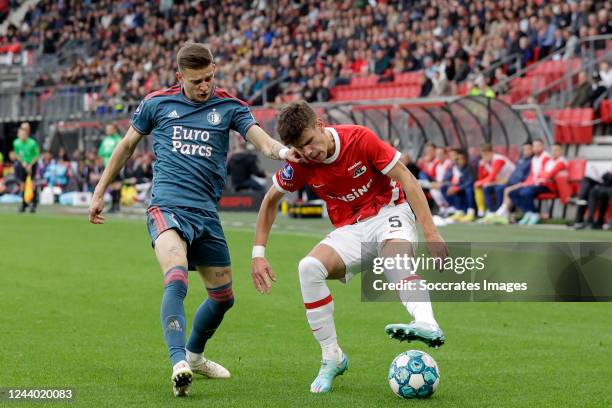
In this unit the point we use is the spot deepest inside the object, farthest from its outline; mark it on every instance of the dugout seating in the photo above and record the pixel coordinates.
(567, 183)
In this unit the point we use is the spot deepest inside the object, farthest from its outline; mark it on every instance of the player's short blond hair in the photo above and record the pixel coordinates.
(194, 56)
(293, 120)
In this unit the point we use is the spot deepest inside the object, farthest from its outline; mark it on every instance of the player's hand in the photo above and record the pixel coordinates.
(436, 246)
(262, 275)
(295, 156)
(95, 209)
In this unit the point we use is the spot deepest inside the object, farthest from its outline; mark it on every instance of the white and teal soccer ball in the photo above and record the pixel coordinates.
(414, 374)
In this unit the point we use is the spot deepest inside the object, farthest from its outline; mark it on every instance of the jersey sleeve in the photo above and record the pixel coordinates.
(143, 119)
(289, 178)
(380, 154)
(242, 119)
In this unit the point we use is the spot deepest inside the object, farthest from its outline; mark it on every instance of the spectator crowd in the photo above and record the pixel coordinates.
(56, 174)
(301, 49)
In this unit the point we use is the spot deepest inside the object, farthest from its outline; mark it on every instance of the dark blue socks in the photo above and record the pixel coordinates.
(209, 315)
(173, 313)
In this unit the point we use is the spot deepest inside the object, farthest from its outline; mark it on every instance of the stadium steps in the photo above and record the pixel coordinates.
(597, 151)
(16, 16)
(602, 140)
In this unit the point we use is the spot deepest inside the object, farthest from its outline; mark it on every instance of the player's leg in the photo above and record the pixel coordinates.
(21, 175)
(479, 200)
(210, 253)
(424, 326)
(489, 193)
(322, 263)
(208, 317)
(171, 252)
(115, 192)
(527, 197)
(395, 231)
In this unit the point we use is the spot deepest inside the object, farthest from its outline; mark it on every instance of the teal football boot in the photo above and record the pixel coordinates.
(421, 331)
(329, 370)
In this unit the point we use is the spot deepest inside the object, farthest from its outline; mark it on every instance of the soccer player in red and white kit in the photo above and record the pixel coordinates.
(362, 182)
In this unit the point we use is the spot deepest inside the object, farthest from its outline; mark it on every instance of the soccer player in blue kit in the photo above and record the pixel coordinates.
(190, 124)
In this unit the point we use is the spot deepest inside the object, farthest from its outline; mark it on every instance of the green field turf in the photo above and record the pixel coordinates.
(80, 308)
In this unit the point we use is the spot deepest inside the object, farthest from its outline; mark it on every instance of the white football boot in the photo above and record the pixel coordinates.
(205, 367)
(181, 378)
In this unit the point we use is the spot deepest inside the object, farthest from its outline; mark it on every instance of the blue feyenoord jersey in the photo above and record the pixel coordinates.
(190, 141)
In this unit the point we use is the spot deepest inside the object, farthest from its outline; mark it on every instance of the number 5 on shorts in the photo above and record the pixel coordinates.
(394, 222)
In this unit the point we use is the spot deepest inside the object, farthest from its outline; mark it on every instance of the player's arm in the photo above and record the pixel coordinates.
(120, 156)
(418, 202)
(261, 271)
(269, 147)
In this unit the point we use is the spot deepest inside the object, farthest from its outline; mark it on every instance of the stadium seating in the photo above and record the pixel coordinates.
(605, 111)
(385, 90)
(548, 72)
(576, 169)
(409, 78)
(573, 126)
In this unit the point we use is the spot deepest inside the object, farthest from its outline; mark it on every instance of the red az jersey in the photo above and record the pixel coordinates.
(353, 181)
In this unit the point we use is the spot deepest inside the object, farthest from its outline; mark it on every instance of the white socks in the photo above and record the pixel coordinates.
(319, 306)
(193, 357)
(420, 311)
(416, 301)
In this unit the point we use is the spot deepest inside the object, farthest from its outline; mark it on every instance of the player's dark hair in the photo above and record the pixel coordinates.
(486, 147)
(462, 152)
(430, 144)
(293, 119)
(194, 56)
(528, 143)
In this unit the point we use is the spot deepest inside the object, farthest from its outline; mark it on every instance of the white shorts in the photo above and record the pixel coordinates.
(392, 222)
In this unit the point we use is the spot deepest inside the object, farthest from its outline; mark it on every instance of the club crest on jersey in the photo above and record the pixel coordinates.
(287, 172)
(213, 117)
(359, 171)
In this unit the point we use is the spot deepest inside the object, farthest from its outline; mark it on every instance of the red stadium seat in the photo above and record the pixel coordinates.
(605, 111)
(563, 193)
(364, 81)
(584, 126)
(409, 78)
(573, 126)
(463, 89)
(576, 169)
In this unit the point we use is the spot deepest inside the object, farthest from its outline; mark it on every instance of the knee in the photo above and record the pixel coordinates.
(311, 270)
(222, 296)
(176, 279)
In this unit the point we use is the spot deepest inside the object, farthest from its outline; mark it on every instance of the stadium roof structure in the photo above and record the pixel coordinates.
(452, 122)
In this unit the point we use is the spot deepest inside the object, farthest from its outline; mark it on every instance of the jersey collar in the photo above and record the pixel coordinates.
(186, 99)
(337, 142)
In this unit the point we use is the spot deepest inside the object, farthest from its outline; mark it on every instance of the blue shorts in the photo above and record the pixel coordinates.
(201, 230)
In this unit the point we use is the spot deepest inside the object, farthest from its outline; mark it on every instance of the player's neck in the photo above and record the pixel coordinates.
(331, 144)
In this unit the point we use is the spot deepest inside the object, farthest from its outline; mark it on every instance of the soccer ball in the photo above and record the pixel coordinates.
(414, 374)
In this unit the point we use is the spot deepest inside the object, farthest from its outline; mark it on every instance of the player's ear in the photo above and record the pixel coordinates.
(320, 124)
(179, 77)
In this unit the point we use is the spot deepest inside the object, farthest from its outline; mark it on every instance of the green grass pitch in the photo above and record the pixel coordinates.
(79, 307)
